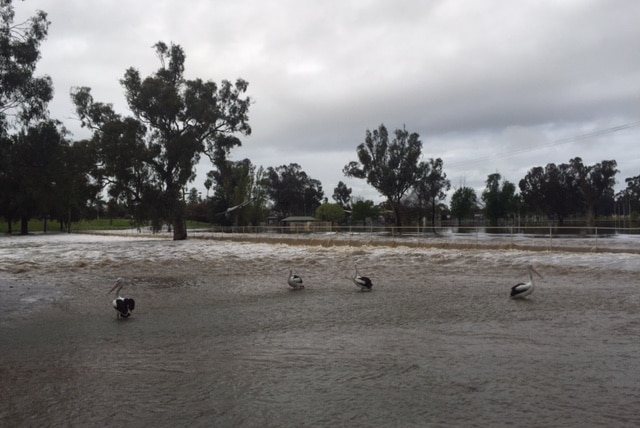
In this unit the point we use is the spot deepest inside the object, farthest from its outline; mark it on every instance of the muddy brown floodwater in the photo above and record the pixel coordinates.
(217, 338)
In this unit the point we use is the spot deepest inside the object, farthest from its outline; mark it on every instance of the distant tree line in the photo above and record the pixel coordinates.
(140, 166)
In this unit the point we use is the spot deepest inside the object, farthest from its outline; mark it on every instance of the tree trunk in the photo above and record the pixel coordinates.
(396, 213)
(179, 229)
(591, 218)
(24, 225)
(433, 216)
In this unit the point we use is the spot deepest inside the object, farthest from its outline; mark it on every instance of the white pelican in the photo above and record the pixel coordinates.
(122, 305)
(294, 281)
(523, 289)
(363, 282)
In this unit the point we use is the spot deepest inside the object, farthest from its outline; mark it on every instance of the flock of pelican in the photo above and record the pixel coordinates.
(125, 305)
(362, 282)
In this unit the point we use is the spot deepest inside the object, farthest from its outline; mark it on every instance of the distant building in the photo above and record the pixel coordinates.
(299, 223)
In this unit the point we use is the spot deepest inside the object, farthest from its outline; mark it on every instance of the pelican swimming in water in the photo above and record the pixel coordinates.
(363, 282)
(122, 305)
(294, 281)
(523, 289)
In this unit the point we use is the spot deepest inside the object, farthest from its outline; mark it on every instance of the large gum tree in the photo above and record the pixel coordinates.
(148, 159)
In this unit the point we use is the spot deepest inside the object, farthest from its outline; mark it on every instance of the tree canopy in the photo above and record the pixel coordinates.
(499, 198)
(292, 191)
(432, 184)
(569, 188)
(342, 195)
(333, 213)
(364, 210)
(464, 202)
(23, 95)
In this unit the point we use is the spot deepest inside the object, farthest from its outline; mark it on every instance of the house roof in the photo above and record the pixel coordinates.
(299, 218)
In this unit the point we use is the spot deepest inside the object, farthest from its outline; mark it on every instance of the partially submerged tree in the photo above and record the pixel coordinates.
(175, 121)
(595, 183)
(499, 198)
(552, 191)
(391, 167)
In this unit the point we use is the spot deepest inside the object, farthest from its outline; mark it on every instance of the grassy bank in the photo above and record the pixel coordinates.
(37, 226)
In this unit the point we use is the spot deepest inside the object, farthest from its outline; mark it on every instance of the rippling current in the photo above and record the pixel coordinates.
(217, 338)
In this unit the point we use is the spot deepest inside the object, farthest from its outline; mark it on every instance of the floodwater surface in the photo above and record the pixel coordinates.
(218, 338)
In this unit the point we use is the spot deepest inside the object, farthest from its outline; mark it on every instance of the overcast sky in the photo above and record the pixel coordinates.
(490, 86)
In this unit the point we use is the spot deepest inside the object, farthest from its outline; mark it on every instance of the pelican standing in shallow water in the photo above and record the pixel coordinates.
(294, 281)
(122, 305)
(363, 282)
(523, 289)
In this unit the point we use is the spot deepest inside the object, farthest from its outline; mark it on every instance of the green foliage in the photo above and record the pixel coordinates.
(391, 167)
(330, 212)
(103, 224)
(362, 210)
(33, 226)
(463, 203)
(499, 199)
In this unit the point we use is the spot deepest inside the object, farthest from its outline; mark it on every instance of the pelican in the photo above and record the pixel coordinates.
(523, 289)
(363, 282)
(294, 281)
(122, 305)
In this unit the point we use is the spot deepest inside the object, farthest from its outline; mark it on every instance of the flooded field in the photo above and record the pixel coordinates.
(217, 337)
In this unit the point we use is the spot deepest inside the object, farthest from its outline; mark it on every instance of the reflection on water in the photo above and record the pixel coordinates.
(218, 338)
